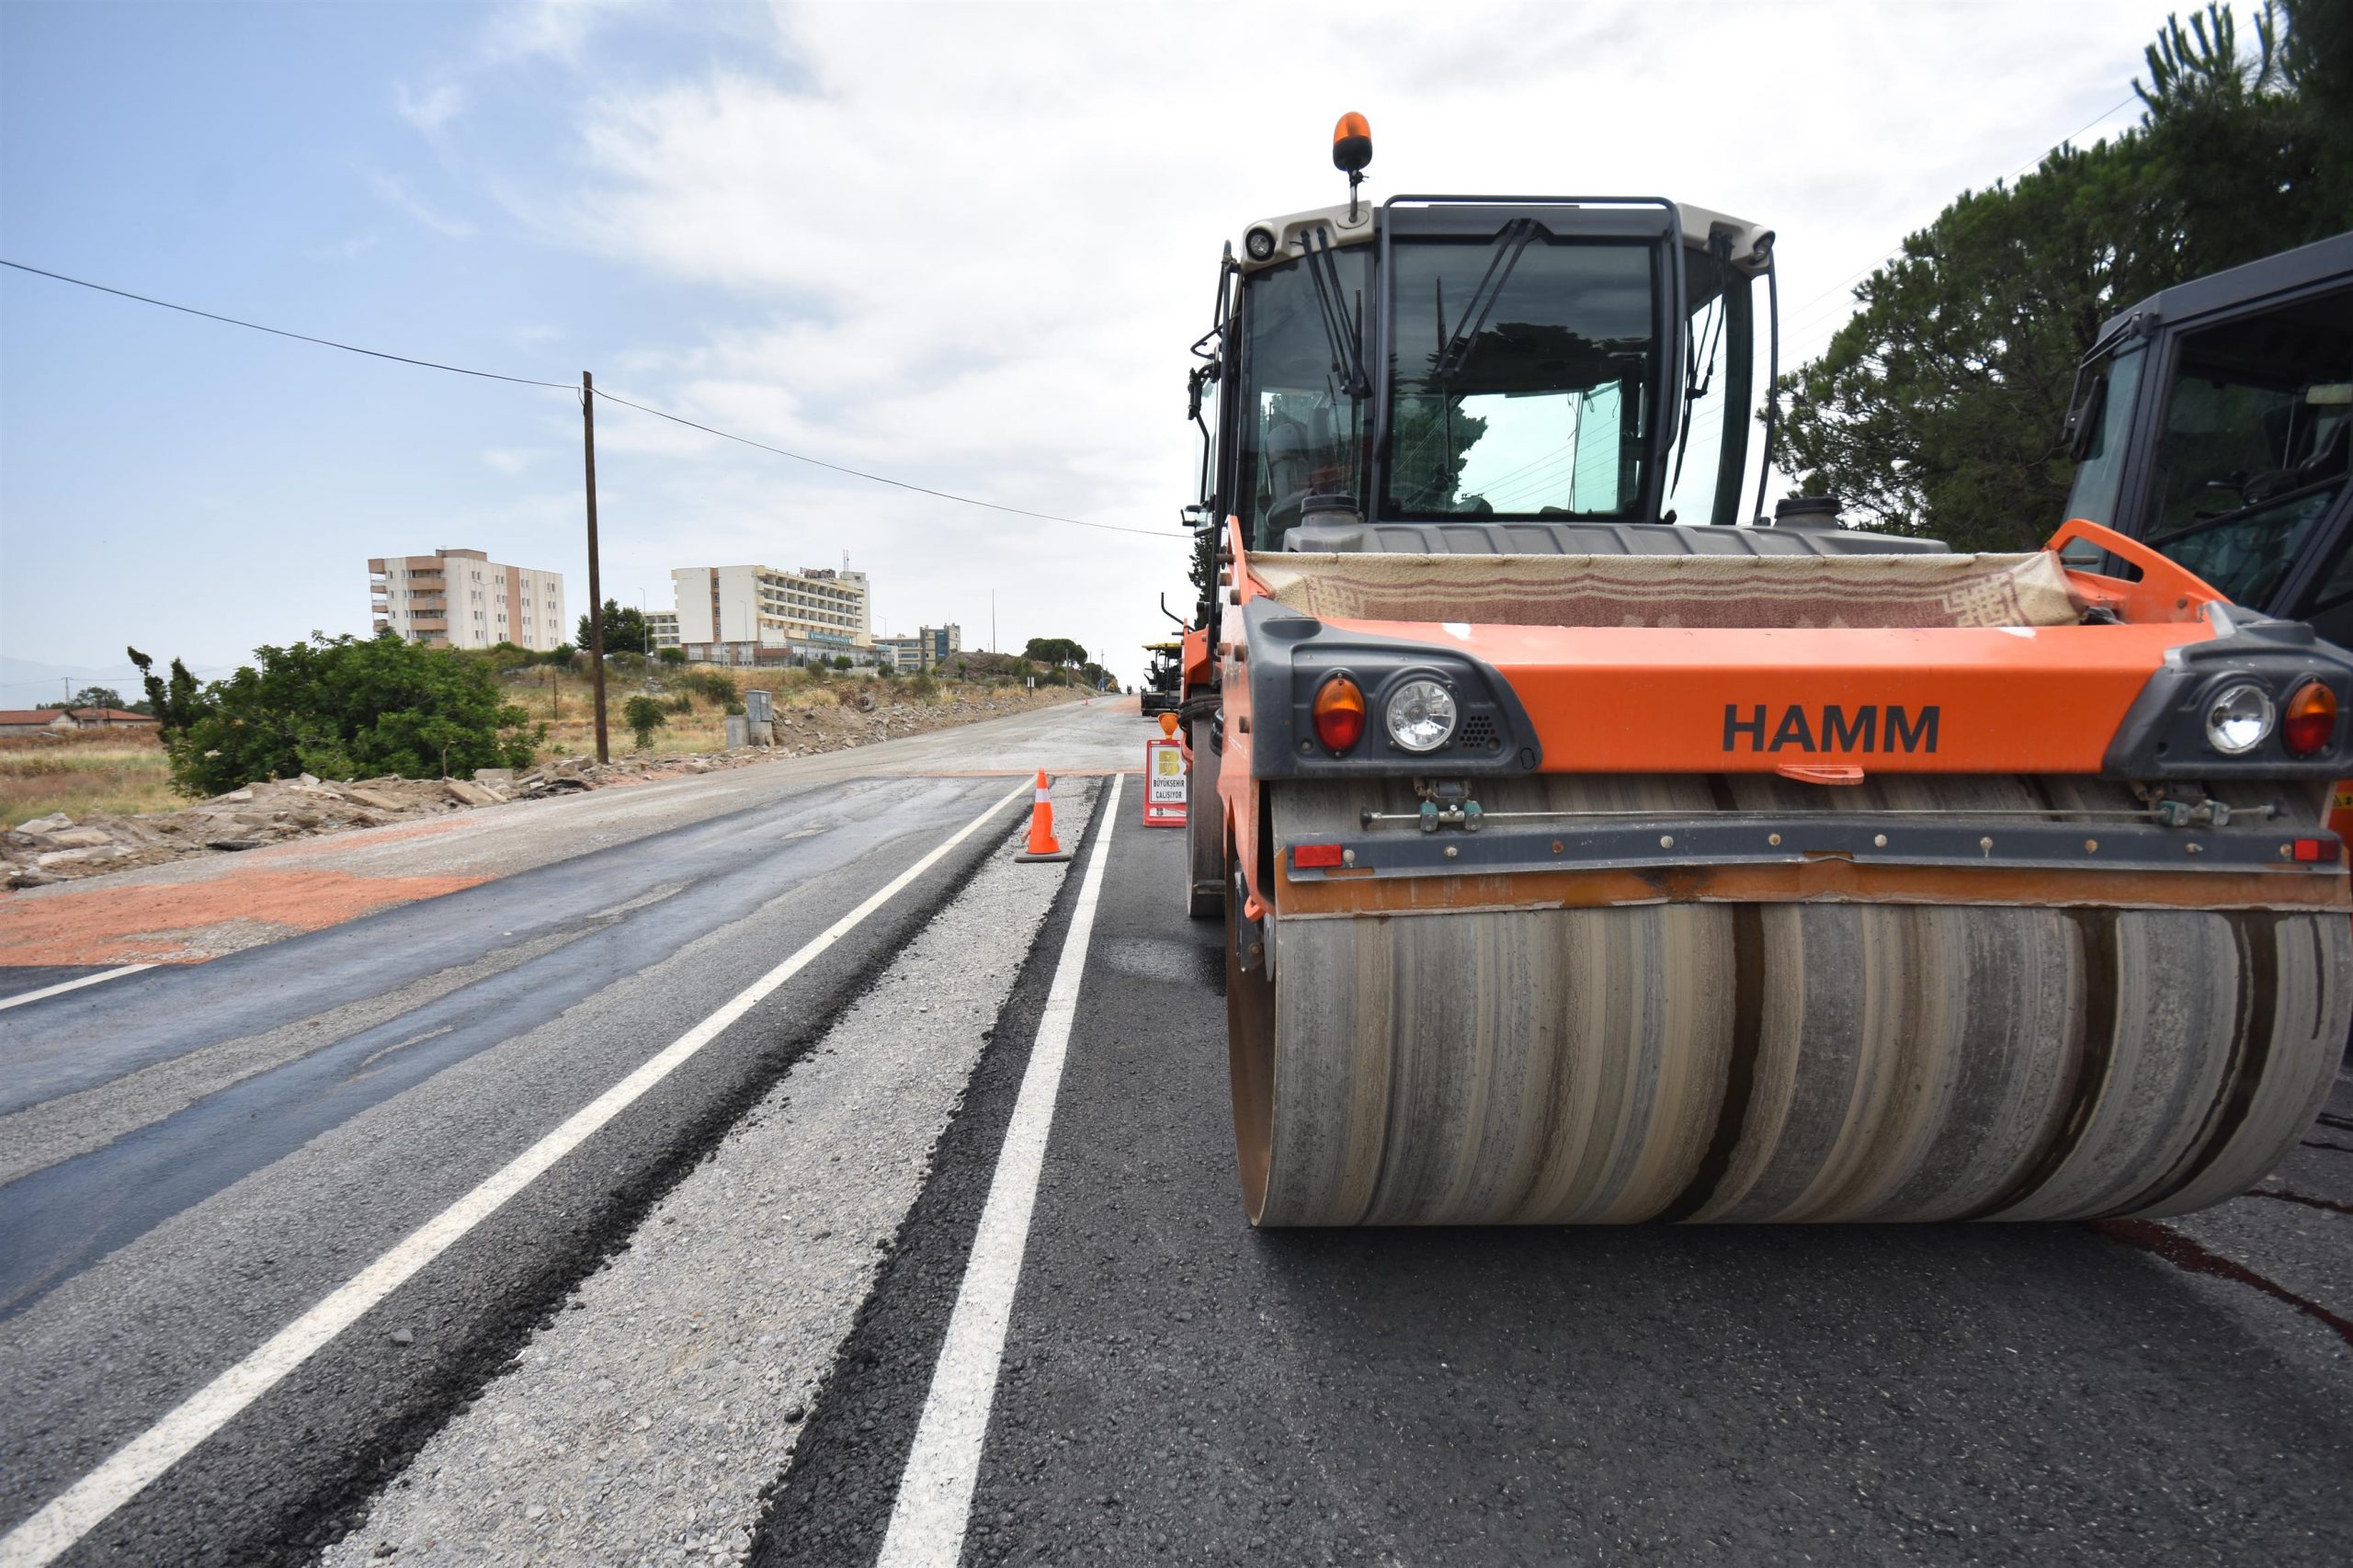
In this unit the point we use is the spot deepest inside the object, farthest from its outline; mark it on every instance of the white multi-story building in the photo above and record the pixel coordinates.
(461, 598)
(760, 607)
(662, 627)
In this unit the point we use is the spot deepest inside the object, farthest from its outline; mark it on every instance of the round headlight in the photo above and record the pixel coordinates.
(2239, 719)
(1420, 715)
(1259, 243)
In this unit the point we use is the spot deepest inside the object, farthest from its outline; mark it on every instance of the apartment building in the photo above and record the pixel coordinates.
(761, 606)
(927, 649)
(662, 627)
(461, 598)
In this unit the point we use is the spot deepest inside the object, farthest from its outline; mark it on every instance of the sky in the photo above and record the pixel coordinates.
(965, 245)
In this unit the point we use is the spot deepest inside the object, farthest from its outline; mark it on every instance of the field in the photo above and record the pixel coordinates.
(565, 703)
(119, 773)
(114, 771)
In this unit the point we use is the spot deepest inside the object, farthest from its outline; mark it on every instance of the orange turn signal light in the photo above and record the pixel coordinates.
(1339, 713)
(2308, 723)
(1351, 144)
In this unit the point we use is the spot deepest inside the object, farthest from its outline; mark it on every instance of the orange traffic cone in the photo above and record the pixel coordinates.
(1041, 826)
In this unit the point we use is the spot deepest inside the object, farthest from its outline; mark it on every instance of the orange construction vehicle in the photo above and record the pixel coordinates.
(1578, 867)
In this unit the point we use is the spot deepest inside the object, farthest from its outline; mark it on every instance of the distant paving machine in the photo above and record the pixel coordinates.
(1162, 691)
(1578, 868)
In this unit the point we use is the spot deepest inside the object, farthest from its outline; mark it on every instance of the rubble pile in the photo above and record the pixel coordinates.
(56, 848)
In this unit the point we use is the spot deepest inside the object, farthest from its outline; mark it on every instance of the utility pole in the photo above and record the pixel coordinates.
(595, 581)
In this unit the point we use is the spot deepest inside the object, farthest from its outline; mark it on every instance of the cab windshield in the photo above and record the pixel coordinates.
(1520, 372)
(1300, 430)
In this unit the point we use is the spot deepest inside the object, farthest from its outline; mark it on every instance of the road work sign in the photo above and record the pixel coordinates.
(1164, 783)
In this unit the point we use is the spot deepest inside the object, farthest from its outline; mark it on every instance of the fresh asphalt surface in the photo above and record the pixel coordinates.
(1178, 1387)
(1175, 1386)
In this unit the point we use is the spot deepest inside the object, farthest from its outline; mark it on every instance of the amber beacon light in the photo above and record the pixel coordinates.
(1351, 151)
(1351, 146)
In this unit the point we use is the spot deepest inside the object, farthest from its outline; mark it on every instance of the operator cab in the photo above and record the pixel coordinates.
(2214, 420)
(1477, 373)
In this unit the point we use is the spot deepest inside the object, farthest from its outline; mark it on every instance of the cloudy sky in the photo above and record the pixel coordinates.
(965, 246)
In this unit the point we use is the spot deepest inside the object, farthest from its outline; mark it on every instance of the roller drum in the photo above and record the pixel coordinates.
(1748, 1062)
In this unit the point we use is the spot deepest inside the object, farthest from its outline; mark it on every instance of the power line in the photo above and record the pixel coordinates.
(281, 332)
(1799, 314)
(885, 479)
(571, 387)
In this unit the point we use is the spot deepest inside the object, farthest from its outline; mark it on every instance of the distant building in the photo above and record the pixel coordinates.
(35, 721)
(927, 649)
(761, 608)
(461, 598)
(31, 720)
(662, 627)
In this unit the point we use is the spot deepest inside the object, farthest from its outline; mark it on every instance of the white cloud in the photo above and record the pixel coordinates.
(512, 460)
(967, 245)
(393, 191)
(433, 108)
(344, 250)
(558, 28)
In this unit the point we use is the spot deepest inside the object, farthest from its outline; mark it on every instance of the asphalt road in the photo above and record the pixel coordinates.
(718, 1327)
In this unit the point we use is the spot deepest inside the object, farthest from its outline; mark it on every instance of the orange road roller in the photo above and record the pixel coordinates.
(1593, 850)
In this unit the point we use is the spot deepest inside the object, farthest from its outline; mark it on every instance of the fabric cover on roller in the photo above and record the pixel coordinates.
(1698, 591)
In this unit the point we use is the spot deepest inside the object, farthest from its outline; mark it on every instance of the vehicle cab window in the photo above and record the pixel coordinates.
(2252, 450)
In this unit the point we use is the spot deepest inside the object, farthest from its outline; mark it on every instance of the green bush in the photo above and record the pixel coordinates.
(645, 715)
(922, 686)
(672, 655)
(711, 685)
(343, 708)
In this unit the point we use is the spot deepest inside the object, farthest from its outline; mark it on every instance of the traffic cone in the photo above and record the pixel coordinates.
(1041, 826)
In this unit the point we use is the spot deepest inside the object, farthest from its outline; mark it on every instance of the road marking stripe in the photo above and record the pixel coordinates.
(23, 997)
(935, 1501)
(75, 1512)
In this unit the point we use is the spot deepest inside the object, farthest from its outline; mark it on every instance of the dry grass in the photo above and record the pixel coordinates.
(566, 702)
(95, 771)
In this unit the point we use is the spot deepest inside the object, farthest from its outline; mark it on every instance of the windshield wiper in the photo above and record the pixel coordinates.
(1511, 241)
(1339, 329)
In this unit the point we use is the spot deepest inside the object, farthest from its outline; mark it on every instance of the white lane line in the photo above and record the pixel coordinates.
(934, 1503)
(22, 998)
(75, 1512)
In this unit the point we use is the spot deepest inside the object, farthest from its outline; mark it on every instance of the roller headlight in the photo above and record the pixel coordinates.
(1421, 715)
(1259, 243)
(2239, 719)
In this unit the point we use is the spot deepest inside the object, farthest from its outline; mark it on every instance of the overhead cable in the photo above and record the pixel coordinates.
(885, 479)
(572, 387)
(281, 332)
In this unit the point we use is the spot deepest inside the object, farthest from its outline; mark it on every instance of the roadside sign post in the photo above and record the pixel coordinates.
(1164, 778)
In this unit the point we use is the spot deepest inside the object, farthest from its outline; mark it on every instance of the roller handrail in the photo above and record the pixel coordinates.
(2166, 591)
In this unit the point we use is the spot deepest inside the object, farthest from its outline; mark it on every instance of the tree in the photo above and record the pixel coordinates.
(1054, 651)
(645, 715)
(672, 656)
(624, 629)
(174, 704)
(1938, 408)
(340, 708)
(88, 697)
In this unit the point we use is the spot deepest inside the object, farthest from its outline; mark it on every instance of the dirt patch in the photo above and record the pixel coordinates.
(168, 925)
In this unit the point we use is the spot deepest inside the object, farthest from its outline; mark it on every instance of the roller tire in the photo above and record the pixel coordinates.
(1773, 1063)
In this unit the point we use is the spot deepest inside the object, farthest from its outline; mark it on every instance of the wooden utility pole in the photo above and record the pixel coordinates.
(595, 581)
